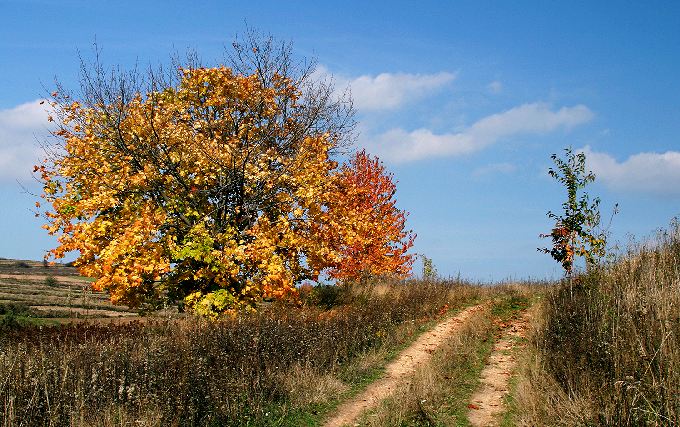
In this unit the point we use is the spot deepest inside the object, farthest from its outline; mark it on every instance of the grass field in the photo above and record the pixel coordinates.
(35, 290)
(280, 366)
(602, 349)
(606, 345)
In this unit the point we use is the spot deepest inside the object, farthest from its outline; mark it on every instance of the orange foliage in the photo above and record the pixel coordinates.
(562, 249)
(375, 241)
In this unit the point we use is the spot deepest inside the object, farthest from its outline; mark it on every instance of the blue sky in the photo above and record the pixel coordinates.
(464, 101)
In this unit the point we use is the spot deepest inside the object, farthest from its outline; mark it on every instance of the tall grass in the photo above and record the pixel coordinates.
(248, 370)
(611, 339)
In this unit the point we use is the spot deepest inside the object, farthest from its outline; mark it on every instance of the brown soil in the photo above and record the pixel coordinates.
(487, 403)
(86, 311)
(42, 277)
(405, 365)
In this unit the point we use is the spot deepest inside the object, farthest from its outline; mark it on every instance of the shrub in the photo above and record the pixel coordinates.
(8, 321)
(325, 296)
(15, 308)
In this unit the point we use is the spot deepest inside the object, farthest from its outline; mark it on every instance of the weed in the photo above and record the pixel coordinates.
(278, 365)
(611, 342)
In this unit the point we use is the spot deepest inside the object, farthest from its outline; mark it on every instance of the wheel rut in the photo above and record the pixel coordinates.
(487, 403)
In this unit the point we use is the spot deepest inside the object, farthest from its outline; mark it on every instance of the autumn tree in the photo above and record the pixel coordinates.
(200, 184)
(375, 241)
(576, 231)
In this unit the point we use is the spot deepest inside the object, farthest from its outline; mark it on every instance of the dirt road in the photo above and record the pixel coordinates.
(487, 402)
(405, 364)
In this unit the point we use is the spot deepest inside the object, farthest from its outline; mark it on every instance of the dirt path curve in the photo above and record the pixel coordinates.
(405, 364)
(487, 402)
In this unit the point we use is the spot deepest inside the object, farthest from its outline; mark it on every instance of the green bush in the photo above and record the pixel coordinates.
(15, 308)
(8, 321)
(326, 296)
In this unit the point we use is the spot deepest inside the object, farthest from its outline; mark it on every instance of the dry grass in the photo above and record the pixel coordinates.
(307, 386)
(607, 348)
(539, 398)
(262, 369)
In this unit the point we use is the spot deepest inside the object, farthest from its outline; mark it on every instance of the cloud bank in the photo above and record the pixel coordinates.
(655, 173)
(21, 128)
(401, 146)
(387, 91)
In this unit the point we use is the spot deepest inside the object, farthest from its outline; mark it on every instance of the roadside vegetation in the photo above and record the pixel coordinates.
(279, 366)
(606, 347)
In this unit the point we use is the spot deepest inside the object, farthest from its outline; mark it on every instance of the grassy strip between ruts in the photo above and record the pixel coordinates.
(521, 353)
(439, 393)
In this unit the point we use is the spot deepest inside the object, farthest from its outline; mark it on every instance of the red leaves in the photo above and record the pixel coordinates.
(562, 250)
(374, 241)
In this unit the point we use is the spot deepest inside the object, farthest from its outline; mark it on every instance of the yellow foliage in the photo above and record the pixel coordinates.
(212, 191)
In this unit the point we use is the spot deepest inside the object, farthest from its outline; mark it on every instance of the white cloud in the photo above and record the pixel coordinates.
(387, 91)
(495, 87)
(21, 128)
(401, 146)
(657, 173)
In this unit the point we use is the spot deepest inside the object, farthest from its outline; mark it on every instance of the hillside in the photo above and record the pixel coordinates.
(34, 289)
